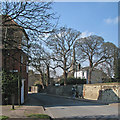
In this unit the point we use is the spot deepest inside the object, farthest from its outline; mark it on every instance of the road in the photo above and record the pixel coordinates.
(60, 107)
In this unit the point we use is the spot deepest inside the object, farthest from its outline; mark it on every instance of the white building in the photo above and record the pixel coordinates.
(97, 75)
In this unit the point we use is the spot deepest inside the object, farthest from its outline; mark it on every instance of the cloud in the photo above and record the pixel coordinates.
(112, 20)
(86, 33)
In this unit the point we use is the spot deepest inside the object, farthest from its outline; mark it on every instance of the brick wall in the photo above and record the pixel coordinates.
(12, 62)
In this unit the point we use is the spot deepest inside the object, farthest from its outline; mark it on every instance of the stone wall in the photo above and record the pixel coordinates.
(91, 91)
(103, 92)
(60, 90)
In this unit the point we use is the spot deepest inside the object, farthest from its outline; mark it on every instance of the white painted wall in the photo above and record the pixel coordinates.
(96, 76)
(81, 74)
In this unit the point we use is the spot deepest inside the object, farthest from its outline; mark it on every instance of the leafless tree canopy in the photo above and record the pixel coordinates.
(35, 16)
(92, 49)
(61, 43)
(110, 66)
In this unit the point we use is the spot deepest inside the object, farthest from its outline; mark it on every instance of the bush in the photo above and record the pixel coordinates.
(10, 83)
(110, 80)
(73, 81)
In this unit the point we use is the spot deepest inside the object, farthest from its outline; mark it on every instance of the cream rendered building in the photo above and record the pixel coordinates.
(97, 75)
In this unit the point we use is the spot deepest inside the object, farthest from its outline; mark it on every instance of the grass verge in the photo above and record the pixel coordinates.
(3, 117)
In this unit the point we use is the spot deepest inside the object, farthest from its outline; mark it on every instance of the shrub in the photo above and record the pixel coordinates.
(73, 81)
(110, 80)
(9, 85)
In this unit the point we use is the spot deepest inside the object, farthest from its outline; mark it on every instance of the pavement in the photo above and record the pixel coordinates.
(23, 111)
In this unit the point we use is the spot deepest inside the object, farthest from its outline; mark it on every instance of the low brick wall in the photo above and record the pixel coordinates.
(103, 92)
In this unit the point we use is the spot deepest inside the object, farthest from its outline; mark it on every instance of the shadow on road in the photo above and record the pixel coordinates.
(42, 99)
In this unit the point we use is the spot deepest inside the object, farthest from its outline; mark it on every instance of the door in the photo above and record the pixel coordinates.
(22, 92)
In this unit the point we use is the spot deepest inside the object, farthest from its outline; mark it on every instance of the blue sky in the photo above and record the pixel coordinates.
(99, 18)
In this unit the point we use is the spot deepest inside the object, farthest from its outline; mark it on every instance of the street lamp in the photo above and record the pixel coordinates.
(76, 69)
(75, 64)
(78, 66)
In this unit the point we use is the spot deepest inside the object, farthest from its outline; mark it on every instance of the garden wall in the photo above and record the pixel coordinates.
(103, 92)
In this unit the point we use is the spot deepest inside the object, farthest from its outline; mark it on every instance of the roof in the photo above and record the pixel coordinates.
(8, 20)
(87, 68)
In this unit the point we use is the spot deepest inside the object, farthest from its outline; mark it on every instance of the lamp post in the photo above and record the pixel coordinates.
(76, 69)
(79, 66)
(75, 64)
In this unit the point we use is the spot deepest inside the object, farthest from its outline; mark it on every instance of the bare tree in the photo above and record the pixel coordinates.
(91, 49)
(110, 65)
(36, 59)
(34, 16)
(47, 64)
(61, 43)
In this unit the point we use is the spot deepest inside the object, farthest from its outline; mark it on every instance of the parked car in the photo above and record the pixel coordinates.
(57, 84)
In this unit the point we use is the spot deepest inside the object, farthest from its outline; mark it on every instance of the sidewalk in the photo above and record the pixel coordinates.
(22, 111)
(32, 106)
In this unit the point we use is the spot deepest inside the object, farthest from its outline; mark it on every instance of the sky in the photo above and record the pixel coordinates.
(90, 18)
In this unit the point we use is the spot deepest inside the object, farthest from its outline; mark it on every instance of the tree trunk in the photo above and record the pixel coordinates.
(42, 80)
(73, 67)
(48, 76)
(90, 70)
(89, 76)
(65, 74)
(65, 78)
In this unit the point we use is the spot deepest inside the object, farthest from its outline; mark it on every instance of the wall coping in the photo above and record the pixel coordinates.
(97, 84)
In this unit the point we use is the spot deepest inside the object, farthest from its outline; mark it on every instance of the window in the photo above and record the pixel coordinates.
(21, 59)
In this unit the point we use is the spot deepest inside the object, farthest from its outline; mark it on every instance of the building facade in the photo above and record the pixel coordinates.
(33, 78)
(14, 54)
(97, 75)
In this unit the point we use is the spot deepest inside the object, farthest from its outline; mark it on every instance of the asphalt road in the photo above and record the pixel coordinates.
(60, 107)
